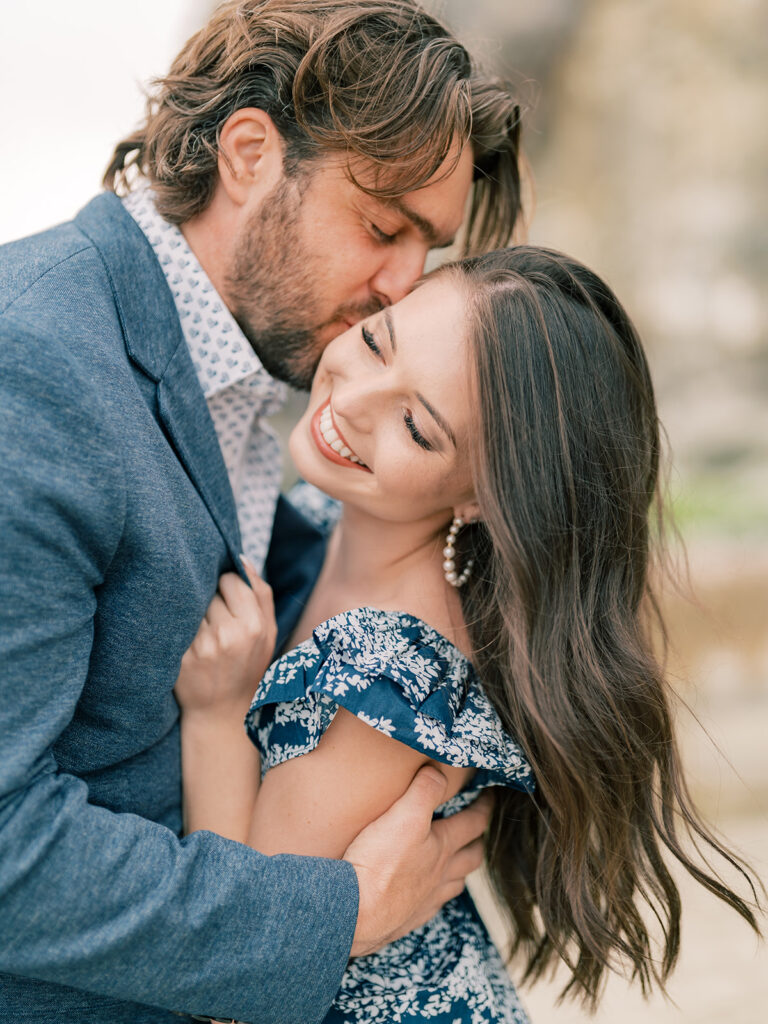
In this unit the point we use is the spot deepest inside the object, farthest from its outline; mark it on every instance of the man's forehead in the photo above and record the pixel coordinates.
(437, 235)
(441, 203)
(436, 209)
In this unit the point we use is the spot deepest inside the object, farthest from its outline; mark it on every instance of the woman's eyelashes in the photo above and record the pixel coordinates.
(414, 431)
(411, 427)
(371, 343)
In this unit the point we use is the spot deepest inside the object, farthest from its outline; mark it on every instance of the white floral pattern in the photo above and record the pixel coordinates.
(403, 678)
(399, 676)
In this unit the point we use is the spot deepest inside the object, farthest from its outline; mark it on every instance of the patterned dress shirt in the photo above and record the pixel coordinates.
(238, 390)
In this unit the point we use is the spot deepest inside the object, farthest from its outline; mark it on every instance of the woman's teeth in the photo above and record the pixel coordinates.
(333, 440)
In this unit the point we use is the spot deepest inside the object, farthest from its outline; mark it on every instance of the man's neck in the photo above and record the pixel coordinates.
(211, 236)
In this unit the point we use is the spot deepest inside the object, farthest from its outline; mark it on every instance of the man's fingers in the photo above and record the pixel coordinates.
(463, 828)
(468, 859)
(411, 815)
(425, 793)
(442, 895)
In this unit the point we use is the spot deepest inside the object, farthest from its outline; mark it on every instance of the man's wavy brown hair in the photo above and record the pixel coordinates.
(379, 80)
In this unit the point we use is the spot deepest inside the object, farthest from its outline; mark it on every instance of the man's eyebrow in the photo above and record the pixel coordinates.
(437, 418)
(424, 226)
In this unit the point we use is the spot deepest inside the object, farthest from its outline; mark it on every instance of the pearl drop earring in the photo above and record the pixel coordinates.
(449, 554)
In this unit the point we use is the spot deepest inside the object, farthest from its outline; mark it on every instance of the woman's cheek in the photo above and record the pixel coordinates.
(401, 470)
(414, 486)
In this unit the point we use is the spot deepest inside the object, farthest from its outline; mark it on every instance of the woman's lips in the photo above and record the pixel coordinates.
(324, 447)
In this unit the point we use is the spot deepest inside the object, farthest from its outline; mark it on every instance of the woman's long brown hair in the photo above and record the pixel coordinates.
(559, 609)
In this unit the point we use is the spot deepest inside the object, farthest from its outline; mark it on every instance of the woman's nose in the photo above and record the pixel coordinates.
(358, 396)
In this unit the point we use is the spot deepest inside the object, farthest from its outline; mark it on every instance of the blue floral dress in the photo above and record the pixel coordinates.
(404, 679)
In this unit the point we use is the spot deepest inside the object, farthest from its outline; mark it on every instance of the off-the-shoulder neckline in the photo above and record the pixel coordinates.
(429, 631)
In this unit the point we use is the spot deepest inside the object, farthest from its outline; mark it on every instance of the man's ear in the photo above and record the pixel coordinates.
(250, 155)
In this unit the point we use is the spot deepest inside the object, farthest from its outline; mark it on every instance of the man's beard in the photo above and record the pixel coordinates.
(273, 289)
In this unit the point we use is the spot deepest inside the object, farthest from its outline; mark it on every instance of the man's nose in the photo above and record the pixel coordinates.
(403, 266)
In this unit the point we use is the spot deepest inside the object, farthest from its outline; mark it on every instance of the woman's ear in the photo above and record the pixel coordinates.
(470, 512)
(250, 155)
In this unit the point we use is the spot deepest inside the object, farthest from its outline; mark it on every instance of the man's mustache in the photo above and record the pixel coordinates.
(353, 314)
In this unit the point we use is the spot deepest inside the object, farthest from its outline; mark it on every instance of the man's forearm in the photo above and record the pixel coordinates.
(202, 925)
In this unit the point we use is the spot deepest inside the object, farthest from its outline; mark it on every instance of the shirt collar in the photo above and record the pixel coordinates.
(221, 354)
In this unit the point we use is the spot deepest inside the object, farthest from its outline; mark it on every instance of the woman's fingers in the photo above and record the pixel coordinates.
(231, 649)
(240, 621)
(217, 612)
(240, 599)
(261, 590)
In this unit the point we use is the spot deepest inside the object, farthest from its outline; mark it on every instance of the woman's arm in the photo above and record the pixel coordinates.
(317, 803)
(220, 771)
(219, 673)
(406, 865)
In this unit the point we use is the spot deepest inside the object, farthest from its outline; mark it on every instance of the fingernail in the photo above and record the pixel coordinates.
(247, 562)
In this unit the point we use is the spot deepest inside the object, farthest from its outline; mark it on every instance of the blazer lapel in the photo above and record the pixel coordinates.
(184, 413)
(155, 343)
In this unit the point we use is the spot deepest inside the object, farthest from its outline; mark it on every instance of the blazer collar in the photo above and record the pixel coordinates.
(144, 302)
(154, 342)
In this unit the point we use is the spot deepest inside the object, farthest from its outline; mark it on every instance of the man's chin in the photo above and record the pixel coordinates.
(286, 358)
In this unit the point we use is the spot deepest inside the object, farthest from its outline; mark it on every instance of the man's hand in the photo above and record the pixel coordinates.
(408, 865)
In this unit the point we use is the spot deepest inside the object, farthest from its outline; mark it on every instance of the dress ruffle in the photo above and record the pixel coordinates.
(398, 675)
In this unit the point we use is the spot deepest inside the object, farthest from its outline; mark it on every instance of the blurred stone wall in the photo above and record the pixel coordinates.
(646, 132)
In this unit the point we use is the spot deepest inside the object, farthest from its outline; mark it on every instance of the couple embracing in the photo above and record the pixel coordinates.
(455, 593)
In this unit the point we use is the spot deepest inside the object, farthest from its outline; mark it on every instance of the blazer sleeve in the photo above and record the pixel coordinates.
(107, 902)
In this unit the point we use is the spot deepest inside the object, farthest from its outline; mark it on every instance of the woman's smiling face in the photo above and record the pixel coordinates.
(387, 427)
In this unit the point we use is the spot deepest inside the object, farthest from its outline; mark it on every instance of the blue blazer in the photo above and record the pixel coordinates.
(116, 521)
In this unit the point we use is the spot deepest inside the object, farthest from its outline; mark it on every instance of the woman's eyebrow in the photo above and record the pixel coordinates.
(437, 418)
(387, 314)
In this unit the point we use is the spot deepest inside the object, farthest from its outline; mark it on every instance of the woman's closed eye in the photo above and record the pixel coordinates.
(410, 425)
(414, 431)
(371, 343)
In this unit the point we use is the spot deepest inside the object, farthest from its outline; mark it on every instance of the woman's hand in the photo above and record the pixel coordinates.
(219, 673)
(232, 648)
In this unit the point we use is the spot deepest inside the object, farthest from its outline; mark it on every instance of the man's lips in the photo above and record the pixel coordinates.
(324, 447)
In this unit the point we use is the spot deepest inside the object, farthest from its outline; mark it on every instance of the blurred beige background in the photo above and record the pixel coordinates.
(646, 135)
